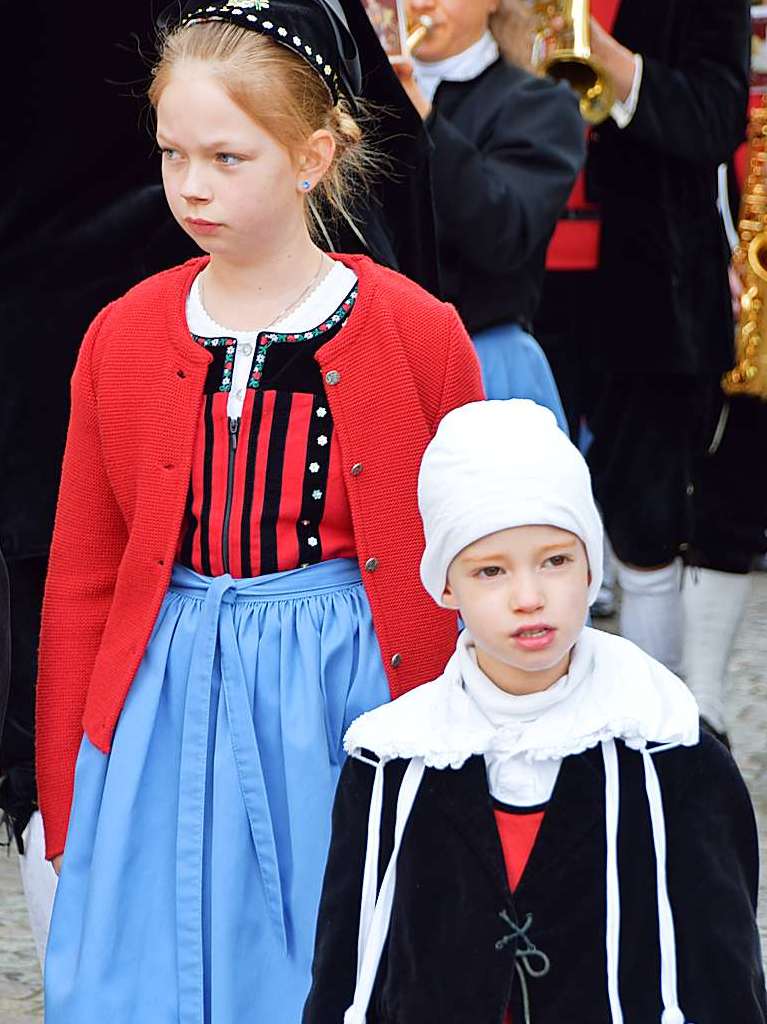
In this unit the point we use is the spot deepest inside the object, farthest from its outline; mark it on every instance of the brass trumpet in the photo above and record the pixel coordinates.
(749, 375)
(565, 54)
(418, 29)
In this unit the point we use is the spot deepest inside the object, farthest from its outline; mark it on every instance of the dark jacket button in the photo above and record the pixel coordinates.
(396, 661)
(357, 468)
(371, 565)
(332, 376)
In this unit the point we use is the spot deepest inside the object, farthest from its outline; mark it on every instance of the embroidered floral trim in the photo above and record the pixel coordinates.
(230, 345)
(265, 341)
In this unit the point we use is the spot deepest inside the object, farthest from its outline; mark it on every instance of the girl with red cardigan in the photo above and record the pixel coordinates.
(232, 578)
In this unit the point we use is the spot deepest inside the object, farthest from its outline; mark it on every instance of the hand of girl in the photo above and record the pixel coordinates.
(404, 71)
(56, 862)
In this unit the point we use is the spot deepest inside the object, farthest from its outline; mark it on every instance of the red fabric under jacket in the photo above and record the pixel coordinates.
(402, 362)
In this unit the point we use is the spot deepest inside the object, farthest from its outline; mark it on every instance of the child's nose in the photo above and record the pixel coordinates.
(526, 596)
(193, 187)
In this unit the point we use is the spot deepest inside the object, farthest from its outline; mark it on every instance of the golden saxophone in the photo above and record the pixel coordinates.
(749, 375)
(564, 53)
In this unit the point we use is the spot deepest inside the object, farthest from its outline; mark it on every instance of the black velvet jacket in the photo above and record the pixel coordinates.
(663, 290)
(445, 959)
(507, 149)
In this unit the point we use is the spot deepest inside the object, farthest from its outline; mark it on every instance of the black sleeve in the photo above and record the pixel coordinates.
(713, 867)
(497, 204)
(696, 110)
(334, 969)
(5, 640)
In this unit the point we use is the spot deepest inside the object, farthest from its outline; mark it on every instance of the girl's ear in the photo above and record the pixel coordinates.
(316, 156)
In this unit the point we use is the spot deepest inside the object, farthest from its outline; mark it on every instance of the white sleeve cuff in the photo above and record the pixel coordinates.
(623, 112)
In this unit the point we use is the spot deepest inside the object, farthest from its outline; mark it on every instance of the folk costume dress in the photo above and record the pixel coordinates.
(197, 841)
(626, 894)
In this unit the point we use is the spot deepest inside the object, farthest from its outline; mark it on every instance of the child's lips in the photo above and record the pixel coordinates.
(535, 637)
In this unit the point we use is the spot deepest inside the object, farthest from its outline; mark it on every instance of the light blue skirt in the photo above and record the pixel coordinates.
(196, 848)
(514, 365)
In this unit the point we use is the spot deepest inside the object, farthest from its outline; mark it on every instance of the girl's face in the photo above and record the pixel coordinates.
(231, 186)
(457, 25)
(523, 594)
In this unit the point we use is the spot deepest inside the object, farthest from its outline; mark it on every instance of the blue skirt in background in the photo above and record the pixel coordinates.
(515, 366)
(196, 847)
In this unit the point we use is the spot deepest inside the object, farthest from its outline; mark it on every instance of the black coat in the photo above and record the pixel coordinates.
(664, 299)
(5, 641)
(507, 149)
(441, 962)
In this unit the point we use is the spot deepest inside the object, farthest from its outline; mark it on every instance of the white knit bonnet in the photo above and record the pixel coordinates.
(495, 465)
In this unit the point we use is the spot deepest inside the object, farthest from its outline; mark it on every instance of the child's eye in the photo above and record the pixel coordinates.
(489, 572)
(228, 159)
(558, 560)
(169, 154)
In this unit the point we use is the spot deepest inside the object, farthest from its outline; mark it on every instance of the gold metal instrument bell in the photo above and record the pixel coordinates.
(564, 53)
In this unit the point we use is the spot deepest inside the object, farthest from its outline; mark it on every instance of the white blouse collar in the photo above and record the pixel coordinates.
(462, 67)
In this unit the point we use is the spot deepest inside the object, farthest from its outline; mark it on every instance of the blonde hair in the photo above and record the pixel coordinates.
(278, 90)
(512, 26)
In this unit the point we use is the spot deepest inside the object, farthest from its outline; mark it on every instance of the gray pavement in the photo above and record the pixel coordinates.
(20, 987)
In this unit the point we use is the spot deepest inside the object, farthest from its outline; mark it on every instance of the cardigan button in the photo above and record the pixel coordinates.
(357, 468)
(332, 376)
(396, 661)
(181, 374)
(371, 565)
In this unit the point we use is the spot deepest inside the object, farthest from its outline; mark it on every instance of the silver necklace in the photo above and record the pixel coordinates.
(322, 270)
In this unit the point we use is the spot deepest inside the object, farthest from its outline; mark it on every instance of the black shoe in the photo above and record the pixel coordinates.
(723, 738)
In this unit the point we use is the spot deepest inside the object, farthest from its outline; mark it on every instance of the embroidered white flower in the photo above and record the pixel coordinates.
(314, 467)
(316, 495)
(322, 412)
(322, 440)
(312, 542)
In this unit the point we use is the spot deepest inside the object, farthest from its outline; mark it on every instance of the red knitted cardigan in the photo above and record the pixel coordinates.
(401, 363)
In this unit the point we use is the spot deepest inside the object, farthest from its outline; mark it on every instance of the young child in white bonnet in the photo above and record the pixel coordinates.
(540, 834)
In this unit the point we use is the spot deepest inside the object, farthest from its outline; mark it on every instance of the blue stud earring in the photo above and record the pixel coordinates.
(306, 185)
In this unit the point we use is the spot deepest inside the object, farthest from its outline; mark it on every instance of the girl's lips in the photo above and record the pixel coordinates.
(534, 638)
(202, 227)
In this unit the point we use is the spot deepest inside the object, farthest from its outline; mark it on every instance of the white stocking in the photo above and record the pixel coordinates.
(651, 611)
(713, 611)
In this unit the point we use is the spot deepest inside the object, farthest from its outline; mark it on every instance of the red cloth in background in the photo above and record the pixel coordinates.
(575, 243)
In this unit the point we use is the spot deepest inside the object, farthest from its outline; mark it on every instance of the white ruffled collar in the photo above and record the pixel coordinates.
(463, 67)
(612, 691)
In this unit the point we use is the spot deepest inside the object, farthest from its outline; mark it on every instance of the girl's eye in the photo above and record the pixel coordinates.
(558, 560)
(228, 159)
(169, 154)
(490, 572)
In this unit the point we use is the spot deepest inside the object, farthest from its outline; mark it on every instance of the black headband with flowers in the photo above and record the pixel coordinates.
(316, 30)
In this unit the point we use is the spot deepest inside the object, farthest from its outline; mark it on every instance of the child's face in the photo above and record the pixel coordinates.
(523, 594)
(229, 183)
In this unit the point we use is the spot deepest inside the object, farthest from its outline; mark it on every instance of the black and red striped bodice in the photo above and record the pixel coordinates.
(267, 492)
